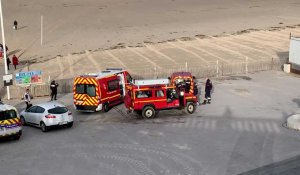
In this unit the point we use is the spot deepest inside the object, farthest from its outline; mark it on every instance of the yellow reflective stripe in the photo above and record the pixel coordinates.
(110, 97)
(149, 101)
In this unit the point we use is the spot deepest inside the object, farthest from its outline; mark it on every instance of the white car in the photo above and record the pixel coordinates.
(46, 115)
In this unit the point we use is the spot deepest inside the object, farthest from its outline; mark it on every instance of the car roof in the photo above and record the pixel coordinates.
(50, 105)
(4, 107)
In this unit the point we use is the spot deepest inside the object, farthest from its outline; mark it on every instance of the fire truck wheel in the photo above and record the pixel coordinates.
(190, 107)
(148, 112)
(106, 107)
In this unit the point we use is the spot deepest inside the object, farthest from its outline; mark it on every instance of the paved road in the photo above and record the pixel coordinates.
(239, 132)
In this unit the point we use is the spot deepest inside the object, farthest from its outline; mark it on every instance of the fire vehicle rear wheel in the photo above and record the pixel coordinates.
(148, 112)
(106, 107)
(190, 107)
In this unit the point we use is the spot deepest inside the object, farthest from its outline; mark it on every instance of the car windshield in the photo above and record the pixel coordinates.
(58, 110)
(9, 114)
(88, 89)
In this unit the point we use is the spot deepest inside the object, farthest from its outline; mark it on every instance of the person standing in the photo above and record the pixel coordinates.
(208, 90)
(15, 25)
(8, 62)
(15, 61)
(27, 99)
(53, 88)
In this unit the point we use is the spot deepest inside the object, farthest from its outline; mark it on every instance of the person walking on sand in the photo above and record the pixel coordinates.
(53, 88)
(208, 90)
(15, 25)
(15, 61)
(27, 99)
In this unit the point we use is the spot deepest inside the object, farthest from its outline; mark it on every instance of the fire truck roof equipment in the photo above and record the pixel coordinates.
(152, 82)
(104, 73)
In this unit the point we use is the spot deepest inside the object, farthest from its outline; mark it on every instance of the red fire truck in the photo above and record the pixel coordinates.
(148, 97)
(100, 91)
(185, 79)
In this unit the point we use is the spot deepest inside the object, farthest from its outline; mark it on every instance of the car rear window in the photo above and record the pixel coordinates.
(80, 89)
(58, 110)
(9, 114)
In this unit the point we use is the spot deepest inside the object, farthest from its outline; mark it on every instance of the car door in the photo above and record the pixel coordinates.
(38, 114)
(29, 114)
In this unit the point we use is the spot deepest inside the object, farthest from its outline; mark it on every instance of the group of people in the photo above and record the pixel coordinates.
(15, 60)
(53, 89)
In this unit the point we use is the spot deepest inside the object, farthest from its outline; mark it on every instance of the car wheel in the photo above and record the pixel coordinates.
(69, 125)
(148, 112)
(17, 137)
(106, 107)
(190, 107)
(23, 122)
(44, 128)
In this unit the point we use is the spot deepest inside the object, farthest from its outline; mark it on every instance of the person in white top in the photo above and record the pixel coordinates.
(27, 98)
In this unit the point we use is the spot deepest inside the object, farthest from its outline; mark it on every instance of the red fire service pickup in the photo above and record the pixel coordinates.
(147, 97)
(100, 91)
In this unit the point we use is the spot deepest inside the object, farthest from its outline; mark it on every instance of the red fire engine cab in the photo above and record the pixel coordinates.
(100, 91)
(148, 97)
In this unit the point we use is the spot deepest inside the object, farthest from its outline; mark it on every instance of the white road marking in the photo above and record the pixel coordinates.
(144, 57)
(93, 61)
(161, 54)
(242, 45)
(188, 51)
(202, 50)
(226, 49)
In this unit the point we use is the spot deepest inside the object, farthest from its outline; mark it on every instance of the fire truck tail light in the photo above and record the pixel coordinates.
(181, 93)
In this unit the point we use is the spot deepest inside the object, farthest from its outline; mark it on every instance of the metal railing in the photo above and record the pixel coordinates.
(198, 69)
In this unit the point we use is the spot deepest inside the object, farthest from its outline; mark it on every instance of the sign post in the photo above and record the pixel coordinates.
(4, 49)
(8, 80)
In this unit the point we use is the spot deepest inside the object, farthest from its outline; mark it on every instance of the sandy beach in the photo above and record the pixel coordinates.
(73, 26)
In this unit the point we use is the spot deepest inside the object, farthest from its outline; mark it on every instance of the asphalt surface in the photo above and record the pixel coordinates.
(240, 132)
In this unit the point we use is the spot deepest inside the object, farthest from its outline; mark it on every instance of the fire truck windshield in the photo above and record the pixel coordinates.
(88, 89)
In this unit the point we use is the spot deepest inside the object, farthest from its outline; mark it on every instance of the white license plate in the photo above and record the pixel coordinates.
(63, 123)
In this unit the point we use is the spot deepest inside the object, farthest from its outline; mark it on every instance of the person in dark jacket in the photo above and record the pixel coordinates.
(15, 25)
(8, 62)
(208, 90)
(53, 88)
(197, 90)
